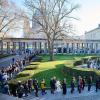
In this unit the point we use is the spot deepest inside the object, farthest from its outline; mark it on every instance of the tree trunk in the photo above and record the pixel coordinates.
(50, 49)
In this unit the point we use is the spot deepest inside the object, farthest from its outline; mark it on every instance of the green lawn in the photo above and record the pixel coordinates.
(47, 69)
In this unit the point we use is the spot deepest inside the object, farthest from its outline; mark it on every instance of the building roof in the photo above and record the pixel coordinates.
(93, 29)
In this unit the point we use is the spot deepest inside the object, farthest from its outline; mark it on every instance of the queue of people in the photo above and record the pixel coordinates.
(93, 63)
(56, 86)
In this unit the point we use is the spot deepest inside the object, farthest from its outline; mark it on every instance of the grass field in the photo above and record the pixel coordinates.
(47, 69)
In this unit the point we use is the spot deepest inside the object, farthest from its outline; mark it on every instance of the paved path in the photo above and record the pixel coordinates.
(5, 62)
(7, 97)
(85, 95)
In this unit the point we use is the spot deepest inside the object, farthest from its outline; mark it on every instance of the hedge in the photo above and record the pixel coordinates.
(81, 72)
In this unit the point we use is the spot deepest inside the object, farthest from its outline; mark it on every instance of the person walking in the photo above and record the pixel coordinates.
(64, 87)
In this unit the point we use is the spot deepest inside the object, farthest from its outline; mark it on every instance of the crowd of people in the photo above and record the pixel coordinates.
(7, 73)
(93, 63)
(21, 89)
(24, 88)
(10, 71)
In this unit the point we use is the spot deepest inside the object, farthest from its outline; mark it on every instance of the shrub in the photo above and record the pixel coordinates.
(31, 67)
(34, 63)
(38, 59)
(22, 75)
(85, 60)
(78, 63)
(80, 72)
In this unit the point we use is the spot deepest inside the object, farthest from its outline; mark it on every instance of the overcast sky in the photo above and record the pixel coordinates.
(88, 13)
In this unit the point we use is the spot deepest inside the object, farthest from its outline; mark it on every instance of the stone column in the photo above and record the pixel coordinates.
(35, 43)
(82, 47)
(24, 46)
(8, 47)
(77, 47)
(67, 46)
(40, 46)
(96, 47)
(19, 44)
(72, 47)
(1, 46)
(14, 47)
(27, 45)
(45, 47)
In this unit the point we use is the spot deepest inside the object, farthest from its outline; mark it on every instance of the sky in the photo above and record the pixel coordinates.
(88, 15)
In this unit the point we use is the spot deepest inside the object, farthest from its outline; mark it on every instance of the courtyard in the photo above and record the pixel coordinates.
(45, 69)
(49, 50)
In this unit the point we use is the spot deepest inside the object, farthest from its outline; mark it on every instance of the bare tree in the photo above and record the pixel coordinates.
(10, 15)
(53, 18)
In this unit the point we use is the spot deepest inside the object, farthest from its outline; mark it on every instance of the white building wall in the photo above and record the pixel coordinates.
(93, 34)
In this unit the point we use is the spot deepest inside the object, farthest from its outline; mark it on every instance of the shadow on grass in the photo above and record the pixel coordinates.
(48, 74)
(45, 58)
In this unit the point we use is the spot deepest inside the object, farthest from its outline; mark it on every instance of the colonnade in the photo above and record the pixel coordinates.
(21, 45)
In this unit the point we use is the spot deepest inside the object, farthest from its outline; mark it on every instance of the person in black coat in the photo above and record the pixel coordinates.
(14, 90)
(53, 84)
(72, 85)
(36, 87)
(89, 83)
(64, 87)
(84, 82)
(20, 90)
(97, 84)
(79, 84)
(26, 89)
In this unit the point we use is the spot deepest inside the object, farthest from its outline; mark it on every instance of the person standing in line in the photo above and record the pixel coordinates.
(20, 90)
(30, 83)
(84, 83)
(13, 60)
(97, 85)
(64, 87)
(72, 85)
(26, 89)
(58, 86)
(6, 88)
(79, 84)
(43, 86)
(51, 85)
(89, 83)
(36, 87)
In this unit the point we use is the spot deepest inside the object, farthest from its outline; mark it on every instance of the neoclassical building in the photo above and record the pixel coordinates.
(38, 42)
